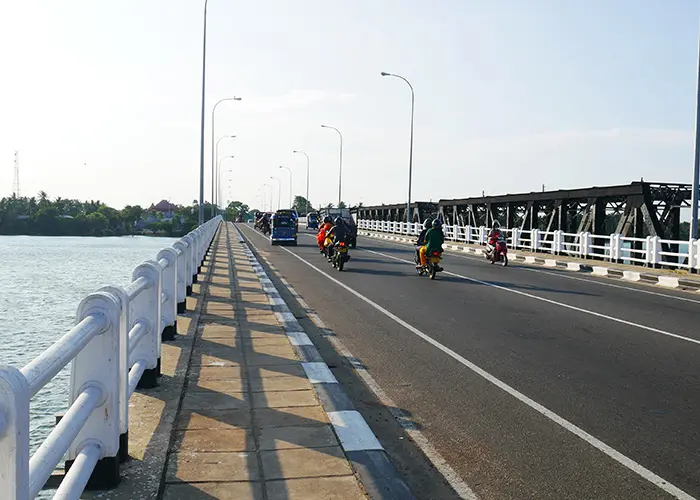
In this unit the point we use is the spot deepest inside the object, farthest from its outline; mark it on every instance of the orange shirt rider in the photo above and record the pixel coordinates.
(321, 238)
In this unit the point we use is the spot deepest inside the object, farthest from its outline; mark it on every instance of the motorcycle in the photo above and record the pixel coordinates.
(432, 266)
(498, 253)
(340, 255)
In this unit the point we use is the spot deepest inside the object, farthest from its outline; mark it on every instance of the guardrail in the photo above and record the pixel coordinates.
(113, 349)
(647, 251)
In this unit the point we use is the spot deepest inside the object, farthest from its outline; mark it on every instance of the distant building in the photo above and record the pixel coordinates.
(164, 208)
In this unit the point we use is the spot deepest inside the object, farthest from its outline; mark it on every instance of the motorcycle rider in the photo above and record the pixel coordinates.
(427, 224)
(322, 231)
(494, 236)
(434, 239)
(339, 232)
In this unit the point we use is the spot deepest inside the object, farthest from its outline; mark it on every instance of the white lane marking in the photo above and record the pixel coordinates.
(319, 373)
(353, 431)
(299, 338)
(455, 481)
(561, 275)
(590, 439)
(554, 302)
(612, 285)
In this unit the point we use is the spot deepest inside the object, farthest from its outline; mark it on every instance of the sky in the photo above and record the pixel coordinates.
(102, 98)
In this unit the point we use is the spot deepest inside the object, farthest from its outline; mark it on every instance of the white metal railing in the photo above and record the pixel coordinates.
(114, 348)
(647, 251)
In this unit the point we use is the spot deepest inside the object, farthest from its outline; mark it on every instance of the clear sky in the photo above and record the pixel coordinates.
(101, 98)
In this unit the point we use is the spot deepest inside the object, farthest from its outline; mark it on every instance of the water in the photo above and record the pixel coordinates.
(42, 281)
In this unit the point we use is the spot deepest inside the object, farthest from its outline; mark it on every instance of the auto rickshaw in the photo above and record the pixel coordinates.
(284, 227)
(312, 220)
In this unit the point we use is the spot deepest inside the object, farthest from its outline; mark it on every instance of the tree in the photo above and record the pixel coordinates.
(236, 209)
(302, 205)
(96, 223)
(342, 205)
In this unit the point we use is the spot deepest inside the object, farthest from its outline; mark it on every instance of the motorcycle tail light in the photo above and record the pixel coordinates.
(436, 254)
(342, 243)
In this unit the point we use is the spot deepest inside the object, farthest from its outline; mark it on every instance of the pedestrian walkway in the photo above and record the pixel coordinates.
(249, 424)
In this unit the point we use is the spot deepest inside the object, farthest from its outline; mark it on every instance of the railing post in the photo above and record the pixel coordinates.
(694, 250)
(515, 235)
(189, 251)
(98, 366)
(482, 235)
(194, 234)
(14, 434)
(468, 231)
(169, 293)
(558, 241)
(615, 248)
(196, 245)
(147, 308)
(535, 240)
(123, 369)
(181, 270)
(653, 257)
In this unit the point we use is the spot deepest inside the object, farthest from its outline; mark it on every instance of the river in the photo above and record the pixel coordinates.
(42, 281)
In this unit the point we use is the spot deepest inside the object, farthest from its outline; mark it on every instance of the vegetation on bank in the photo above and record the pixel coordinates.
(43, 216)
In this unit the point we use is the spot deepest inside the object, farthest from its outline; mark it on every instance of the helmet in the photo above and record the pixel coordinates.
(339, 221)
(437, 223)
(496, 225)
(327, 220)
(427, 223)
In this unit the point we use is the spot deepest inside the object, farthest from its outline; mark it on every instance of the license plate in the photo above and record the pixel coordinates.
(343, 250)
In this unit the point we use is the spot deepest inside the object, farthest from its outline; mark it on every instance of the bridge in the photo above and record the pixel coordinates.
(230, 368)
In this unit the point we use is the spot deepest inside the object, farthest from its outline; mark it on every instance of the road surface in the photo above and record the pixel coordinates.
(527, 382)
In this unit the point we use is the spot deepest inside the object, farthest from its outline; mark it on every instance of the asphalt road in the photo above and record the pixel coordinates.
(530, 383)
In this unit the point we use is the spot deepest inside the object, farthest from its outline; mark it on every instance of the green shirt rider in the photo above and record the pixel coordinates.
(434, 239)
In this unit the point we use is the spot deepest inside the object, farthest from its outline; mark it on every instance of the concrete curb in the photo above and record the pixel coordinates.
(598, 270)
(370, 461)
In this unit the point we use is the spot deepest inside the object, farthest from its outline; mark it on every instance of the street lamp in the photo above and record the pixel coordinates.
(279, 192)
(291, 181)
(218, 172)
(696, 167)
(307, 180)
(216, 155)
(270, 188)
(201, 132)
(340, 171)
(410, 154)
(213, 158)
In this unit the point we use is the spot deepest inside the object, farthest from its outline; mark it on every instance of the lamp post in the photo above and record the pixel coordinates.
(410, 154)
(696, 167)
(201, 139)
(218, 171)
(279, 192)
(291, 181)
(307, 180)
(340, 171)
(216, 155)
(270, 188)
(213, 159)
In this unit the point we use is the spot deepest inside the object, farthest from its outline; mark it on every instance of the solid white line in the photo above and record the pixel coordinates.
(353, 431)
(612, 285)
(299, 338)
(554, 302)
(590, 439)
(319, 373)
(561, 275)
